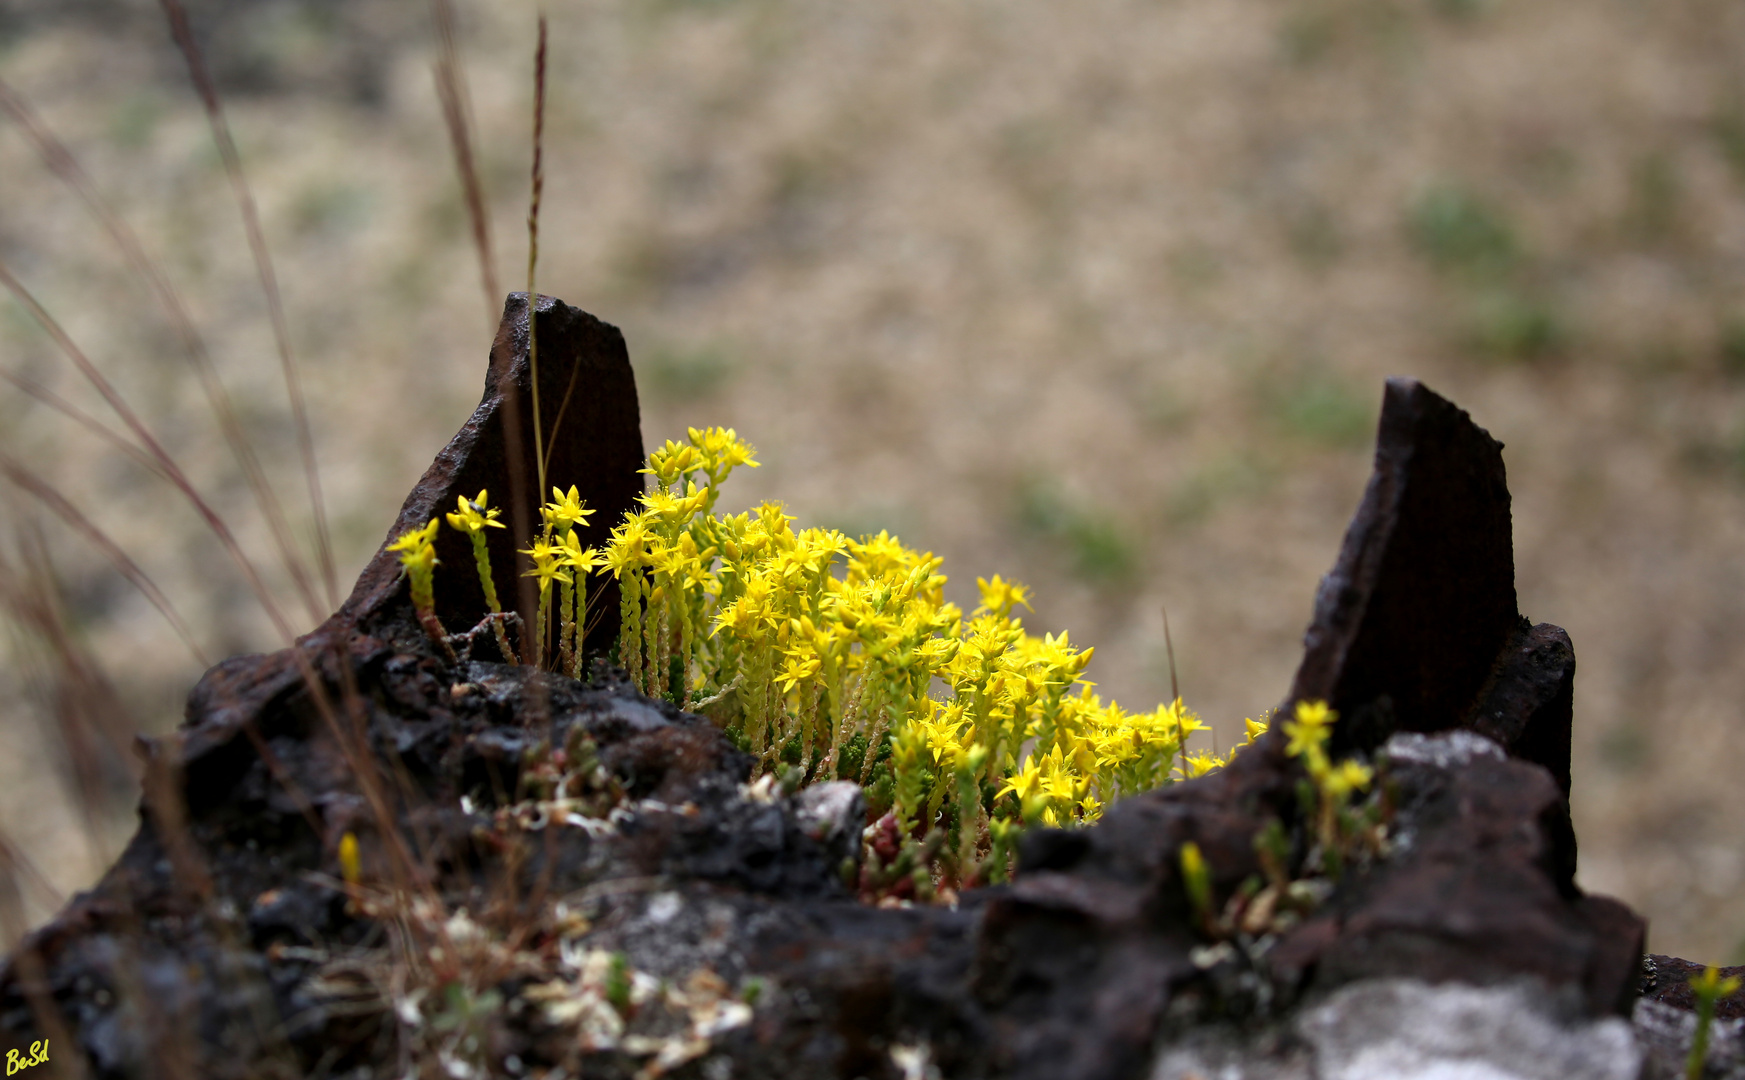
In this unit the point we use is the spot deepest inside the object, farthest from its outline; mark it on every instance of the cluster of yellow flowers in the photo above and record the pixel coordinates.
(558, 557)
(1340, 829)
(830, 657)
(821, 655)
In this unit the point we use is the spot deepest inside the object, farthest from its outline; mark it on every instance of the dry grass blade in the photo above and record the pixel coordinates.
(152, 445)
(1175, 692)
(257, 243)
(45, 493)
(14, 867)
(357, 752)
(355, 747)
(16, 870)
(533, 247)
(61, 162)
(451, 89)
(93, 726)
(85, 420)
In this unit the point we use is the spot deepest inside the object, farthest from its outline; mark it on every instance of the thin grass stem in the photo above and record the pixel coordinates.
(451, 91)
(66, 168)
(533, 245)
(85, 420)
(152, 445)
(263, 260)
(45, 493)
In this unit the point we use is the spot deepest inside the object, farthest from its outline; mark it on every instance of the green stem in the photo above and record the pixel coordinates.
(630, 628)
(566, 627)
(1699, 1043)
(482, 557)
(581, 623)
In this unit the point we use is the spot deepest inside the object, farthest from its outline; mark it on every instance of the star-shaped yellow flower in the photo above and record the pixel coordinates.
(565, 511)
(474, 515)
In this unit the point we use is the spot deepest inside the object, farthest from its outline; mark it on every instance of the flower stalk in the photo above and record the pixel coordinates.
(417, 551)
(473, 517)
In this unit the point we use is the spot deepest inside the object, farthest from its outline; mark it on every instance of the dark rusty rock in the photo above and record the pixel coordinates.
(196, 953)
(1422, 597)
(685, 821)
(592, 425)
(1079, 961)
(1415, 627)
(1671, 986)
(1529, 704)
(1480, 888)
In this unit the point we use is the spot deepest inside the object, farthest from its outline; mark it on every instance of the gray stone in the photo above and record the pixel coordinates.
(1442, 751)
(1401, 1029)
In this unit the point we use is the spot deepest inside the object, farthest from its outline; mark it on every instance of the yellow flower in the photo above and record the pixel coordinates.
(1199, 763)
(621, 558)
(942, 731)
(1353, 776)
(722, 449)
(411, 542)
(565, 511)
(1196, 879)
(1025, 783)
(1315, 713)
(1310, 729)
(1709, 985)
(573, 555)
(798, 669)
(474, 515)
(547, 564)
(672, 508)
(350, 865)
(672, 461)
(1000, 596)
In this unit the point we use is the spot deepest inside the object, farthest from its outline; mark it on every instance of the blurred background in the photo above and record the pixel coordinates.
(1098, 296)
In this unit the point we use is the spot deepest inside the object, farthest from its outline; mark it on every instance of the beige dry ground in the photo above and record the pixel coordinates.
(1095, 295)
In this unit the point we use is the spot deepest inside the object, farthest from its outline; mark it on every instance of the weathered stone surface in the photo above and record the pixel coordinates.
(1405, 1029)
(1529, 703)
(219, 959)
(1415, 627)
(1081, 961)
(1665, 1033)
(1422, 597)
(211, 947)
(592, 426)
(1669, 984)
(1480, 888)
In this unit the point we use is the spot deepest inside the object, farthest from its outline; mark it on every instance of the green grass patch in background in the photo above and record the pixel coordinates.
(1656, 195)
(1727, 127)
(1730, 345)
(1514, 324)
(1462, 232)
(688, 373)
(1228, 476)
(1323, 408)
(1098, 549)
(330, 208)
